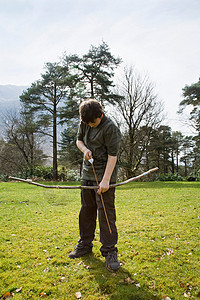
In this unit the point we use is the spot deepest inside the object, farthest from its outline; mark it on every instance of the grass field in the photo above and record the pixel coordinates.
(159, 244)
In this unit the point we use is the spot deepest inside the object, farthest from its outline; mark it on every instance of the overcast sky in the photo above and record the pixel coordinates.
(158, 37)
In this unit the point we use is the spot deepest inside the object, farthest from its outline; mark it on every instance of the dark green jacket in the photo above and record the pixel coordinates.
(102, 140)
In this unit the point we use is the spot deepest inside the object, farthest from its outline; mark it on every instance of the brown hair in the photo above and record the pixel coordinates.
(89, 110)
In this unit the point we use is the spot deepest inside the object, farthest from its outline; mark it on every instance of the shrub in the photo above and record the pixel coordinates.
(43, 172)
(3, 177)
(169, 177)
(68, 175)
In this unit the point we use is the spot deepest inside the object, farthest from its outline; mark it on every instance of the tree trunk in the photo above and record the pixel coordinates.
(32, 153)
(92, 87)
(55, 163)
(185, 168)
(173, 167)
(177, 162)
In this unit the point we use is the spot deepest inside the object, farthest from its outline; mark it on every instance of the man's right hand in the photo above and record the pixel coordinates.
(87, 154)
(81, 146)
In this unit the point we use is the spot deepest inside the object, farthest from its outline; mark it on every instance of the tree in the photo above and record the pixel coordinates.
(159, 148)
(43, 99)
(11, 159)
(187, 156)
(95, 71)
(176, 143)
(70, 156)
(21, 151)
(191, 94)
(140, 114)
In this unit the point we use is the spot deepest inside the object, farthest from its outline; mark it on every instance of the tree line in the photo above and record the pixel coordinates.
(49, 112)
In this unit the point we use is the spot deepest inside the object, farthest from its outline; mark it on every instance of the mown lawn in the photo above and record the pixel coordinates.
(159, 244)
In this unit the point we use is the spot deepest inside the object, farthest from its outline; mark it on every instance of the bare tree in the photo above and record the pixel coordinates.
(140, 113)
(22, 147)
(11, 159)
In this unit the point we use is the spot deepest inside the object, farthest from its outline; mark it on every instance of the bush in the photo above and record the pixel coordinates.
(3, 177)
(68, 175)
(46, 173)
(42, 172)
(169, 177)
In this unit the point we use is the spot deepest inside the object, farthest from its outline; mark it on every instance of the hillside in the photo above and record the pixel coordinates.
(9, 100)
(9, 95)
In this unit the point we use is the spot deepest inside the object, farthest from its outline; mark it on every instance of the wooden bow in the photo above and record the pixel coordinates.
(80, 186)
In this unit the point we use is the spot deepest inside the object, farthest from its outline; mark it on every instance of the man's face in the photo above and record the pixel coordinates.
(96, 122)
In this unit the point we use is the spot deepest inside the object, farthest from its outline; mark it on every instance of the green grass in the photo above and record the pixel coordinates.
(158, 225)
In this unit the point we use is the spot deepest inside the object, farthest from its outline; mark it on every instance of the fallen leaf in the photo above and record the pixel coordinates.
(87, 267)
(43, 295)
(49, 258)
(152, 285)
(170, 252)
(165, 297)
(135, 253)
(138, 285)
(18, 290)
(78, 295)
(185, 286)
(128, 280)
(187, 295)
(46, 270)
(6, 296)
(62, 279)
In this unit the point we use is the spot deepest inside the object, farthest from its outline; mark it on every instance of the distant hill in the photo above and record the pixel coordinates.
(9, 99)
(9, 95)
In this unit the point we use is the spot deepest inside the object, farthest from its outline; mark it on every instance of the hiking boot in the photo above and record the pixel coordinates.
(80, 251)
(112, 263)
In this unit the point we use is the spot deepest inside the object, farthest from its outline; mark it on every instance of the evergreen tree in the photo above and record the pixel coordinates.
(191, 94)
(44, 99)
(95, 71)
(159, 148)
(176, 143)
(187, 154)
(69, 155)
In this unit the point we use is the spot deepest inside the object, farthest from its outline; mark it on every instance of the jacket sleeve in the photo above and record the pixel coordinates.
(112, 140)
(80, 132)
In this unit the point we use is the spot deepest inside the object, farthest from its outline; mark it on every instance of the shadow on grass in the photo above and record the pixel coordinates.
(118, 285)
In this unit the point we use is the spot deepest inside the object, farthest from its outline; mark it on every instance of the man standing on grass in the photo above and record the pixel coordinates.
(98, 138)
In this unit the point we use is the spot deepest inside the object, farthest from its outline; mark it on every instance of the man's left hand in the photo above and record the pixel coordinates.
(103, 187)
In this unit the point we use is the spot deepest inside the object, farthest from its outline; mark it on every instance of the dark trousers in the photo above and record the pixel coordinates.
(90, 204)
